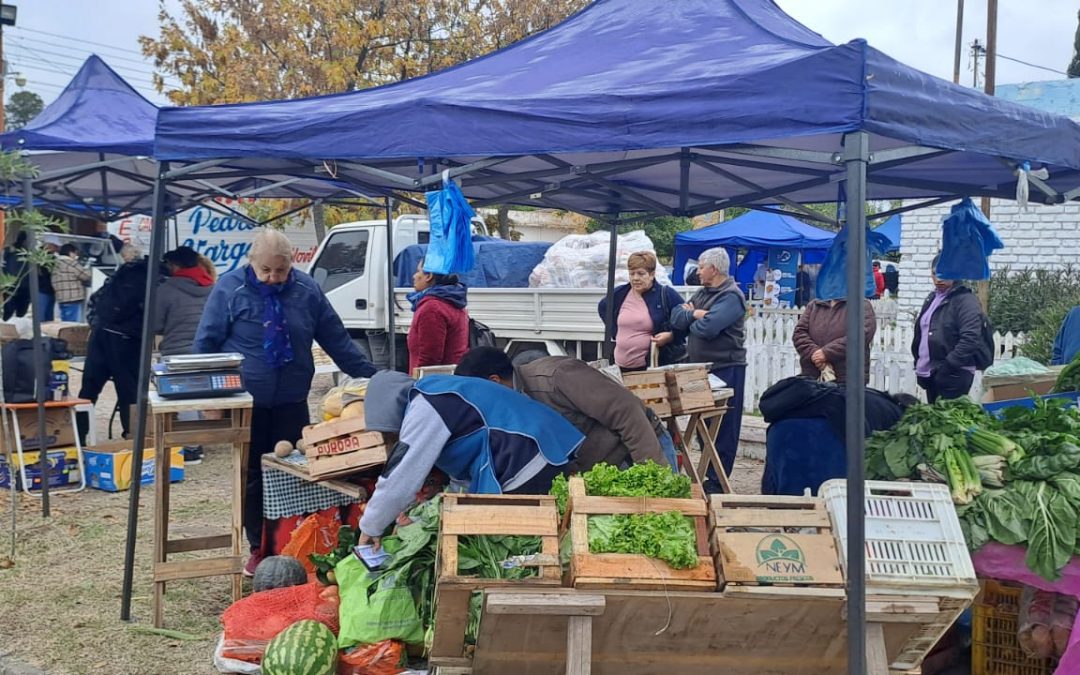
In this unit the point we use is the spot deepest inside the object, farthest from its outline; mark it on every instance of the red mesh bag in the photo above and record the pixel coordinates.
(250, 623)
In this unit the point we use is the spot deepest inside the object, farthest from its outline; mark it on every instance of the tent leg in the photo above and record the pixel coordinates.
(157, 244)
(40, 376)
(609, 320)
(391, 329)
(856, 156)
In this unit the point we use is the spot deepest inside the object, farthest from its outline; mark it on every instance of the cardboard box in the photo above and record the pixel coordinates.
(77, 335)
(63, 468)
(108, 466)
(59, 431)
(1019, 386)
(341, 447)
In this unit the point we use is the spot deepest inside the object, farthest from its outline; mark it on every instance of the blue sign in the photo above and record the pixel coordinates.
(784, 263)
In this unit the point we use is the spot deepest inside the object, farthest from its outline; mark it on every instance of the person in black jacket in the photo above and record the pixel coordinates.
(642, 317)
(18, 302)
(949, 344)
(116, 318)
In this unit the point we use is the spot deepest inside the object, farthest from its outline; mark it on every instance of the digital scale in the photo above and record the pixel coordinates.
(199, 375)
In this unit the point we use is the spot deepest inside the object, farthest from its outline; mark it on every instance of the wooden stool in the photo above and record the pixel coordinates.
(233, 428)
(705, 424)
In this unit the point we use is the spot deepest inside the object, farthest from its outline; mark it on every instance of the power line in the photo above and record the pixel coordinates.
(1032, 65)
(69, 37)
(69, 70)
(111, 57)
(21, 48)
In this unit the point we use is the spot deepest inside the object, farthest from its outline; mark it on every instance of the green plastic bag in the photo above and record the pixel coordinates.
(374, 611)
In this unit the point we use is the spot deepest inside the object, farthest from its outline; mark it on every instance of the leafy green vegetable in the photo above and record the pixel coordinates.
(1069, 377)
(1007, 516)
(1061, 456)
(668, 536)
(1053, 529)
(325, 563)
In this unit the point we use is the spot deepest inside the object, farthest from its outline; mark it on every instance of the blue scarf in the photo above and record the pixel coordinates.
(276, 343)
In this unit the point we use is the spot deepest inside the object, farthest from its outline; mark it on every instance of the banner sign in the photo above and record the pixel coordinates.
(784, 266)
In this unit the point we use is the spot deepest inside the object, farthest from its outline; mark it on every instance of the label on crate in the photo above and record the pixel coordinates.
(781, 560)
(336, 446)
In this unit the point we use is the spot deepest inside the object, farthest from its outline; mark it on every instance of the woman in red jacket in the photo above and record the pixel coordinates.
(439, 334)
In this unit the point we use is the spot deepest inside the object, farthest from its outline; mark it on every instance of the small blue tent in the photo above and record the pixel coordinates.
(891, 230)
(757, 231)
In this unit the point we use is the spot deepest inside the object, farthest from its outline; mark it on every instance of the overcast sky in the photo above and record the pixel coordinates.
(53, 37)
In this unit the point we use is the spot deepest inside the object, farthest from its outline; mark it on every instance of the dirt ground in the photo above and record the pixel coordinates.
(60, 602)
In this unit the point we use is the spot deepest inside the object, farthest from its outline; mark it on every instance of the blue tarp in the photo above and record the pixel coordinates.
(499, 263)
(643, 79)
(891, 230)
(754, 230)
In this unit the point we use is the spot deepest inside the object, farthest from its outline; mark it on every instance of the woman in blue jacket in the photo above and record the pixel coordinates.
(271, 313)
(642, 311)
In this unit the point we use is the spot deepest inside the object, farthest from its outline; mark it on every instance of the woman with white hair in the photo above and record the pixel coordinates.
(271, 313)
(714, 318)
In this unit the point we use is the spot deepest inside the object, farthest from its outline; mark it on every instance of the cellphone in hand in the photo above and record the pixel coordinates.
(371, 558)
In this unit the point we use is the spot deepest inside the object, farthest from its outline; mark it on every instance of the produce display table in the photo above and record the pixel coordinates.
(704, 424)
(762, 632)
(234, 428)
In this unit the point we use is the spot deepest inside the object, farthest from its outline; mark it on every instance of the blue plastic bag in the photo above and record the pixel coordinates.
(832, 279)
(450, 250)
(967, 240)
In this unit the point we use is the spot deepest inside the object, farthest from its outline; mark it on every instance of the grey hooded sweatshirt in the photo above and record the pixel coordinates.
(180, 304)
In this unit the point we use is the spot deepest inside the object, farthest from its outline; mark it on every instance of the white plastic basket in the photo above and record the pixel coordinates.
(913, 536)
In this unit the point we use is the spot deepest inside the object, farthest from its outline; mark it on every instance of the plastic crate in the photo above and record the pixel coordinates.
(913, 536)
(1072, 399)
(994, 647)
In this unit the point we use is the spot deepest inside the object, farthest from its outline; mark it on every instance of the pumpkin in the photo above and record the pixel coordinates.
(304, 648)
(278, 571)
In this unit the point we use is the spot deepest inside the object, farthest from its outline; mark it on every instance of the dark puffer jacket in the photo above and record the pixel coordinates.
(956, 330)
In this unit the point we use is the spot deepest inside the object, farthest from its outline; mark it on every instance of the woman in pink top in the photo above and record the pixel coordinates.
(642, 317)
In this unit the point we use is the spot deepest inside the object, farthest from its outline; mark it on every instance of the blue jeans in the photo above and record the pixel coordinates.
(45, 306)
(71, 311)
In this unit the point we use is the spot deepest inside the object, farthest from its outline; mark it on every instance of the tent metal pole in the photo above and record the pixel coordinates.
(856, 156)
(609, 320)
(391, 329)
(158, 235)
(41, 380)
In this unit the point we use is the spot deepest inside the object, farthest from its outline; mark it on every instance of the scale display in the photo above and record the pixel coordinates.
(199, 385)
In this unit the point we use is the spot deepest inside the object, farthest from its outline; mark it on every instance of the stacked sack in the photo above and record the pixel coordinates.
(581, 261)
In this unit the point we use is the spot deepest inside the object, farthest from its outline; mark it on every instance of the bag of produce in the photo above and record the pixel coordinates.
(383, 658)
(375, 609)
(252, 622)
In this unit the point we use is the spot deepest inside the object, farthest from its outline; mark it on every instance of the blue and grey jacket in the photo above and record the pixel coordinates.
(481, 434)
(232, 321)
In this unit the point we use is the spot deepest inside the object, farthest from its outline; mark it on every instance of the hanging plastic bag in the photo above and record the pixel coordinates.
(316, 534)
(967, 240)
(832, 279)
(374, 610)
(450, 250)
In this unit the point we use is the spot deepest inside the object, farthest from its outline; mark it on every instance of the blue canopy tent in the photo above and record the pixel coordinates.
(673, 108)
(755, 230)
(891, 230)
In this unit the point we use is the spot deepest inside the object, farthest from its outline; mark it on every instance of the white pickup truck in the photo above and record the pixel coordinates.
(351, 267)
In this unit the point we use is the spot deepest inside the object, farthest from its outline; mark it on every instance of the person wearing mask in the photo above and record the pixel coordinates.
(439, 332)
(1067, 341)
(879, 280)
(70, 280)
(642, 317)
(892, 279)
(618, 427)
(820, 338)
(271, 313)
(46, 300)
(715, 318)
(949, 343)
(486, 438)
(15, 265)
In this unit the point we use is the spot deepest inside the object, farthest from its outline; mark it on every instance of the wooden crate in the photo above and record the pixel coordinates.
(688, 389)
(651, 387)
(770, 540)
(341, 447)
(463, 514)
(421, 372)
(633, 571)
(77, 335)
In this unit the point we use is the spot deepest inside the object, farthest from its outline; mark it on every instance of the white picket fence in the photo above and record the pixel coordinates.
(771, 356)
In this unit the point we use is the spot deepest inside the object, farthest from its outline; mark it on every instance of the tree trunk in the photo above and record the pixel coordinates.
(318, 215)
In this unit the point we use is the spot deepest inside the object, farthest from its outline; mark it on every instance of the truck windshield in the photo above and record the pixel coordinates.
(341, 260)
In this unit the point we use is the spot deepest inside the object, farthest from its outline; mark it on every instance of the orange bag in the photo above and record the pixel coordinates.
(381, 658)
(316, 534)
(251, 622)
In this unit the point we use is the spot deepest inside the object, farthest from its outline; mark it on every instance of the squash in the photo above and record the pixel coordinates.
(354, 409)
(278, 571)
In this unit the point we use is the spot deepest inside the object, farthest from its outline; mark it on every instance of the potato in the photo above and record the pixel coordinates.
(283, 448)
(354, 409)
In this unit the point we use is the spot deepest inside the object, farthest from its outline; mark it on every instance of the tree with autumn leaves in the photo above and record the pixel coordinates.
(227, 51)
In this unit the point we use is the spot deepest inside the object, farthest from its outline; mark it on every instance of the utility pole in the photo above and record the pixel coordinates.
(982, 289)
(977, 51)
(959, 40)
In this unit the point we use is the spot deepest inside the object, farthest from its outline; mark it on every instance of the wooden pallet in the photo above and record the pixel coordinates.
(772, 540)
(524, 515)
(633, 571)
(688, 388)
(651, 387)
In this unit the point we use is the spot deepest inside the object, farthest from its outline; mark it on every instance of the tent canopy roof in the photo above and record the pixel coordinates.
(759, 229)
(891, 230)
(633, 105)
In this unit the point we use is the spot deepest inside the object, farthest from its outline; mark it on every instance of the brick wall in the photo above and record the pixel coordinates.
(1046, 237)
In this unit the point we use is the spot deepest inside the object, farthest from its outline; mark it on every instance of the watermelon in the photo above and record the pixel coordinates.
(304, 648)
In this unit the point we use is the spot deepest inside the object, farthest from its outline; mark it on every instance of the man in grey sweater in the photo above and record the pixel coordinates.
(715, 317)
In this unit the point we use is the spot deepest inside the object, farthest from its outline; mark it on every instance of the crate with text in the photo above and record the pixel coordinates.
(475, 516)
(341, 447)
(109, 465)
(63, 468)
(688, 388)
(634, 571)
(651, 387)
(760, 540)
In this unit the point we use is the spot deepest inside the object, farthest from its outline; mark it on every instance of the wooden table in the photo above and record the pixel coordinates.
(13, 409)
(705, 424)
(233, 428)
